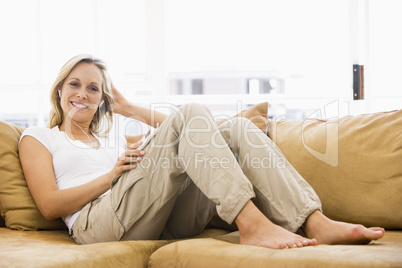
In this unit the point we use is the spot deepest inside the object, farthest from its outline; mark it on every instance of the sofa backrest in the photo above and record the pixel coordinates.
(16, 203)
(354, 163)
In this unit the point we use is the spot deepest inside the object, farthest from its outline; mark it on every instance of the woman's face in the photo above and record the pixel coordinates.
(81, 92)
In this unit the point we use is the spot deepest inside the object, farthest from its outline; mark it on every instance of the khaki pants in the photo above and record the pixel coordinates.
(193, 172)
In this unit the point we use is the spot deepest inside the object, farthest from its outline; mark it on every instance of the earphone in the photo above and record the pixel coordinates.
(100, 104)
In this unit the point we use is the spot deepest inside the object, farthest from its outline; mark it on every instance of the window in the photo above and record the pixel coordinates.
(114, 31)
(295, 54)
(385, 55)
(289, 47)
(38, 37)
(305, 44)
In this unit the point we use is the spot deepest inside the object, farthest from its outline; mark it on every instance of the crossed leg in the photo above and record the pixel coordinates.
(284, 202)
(255, 226)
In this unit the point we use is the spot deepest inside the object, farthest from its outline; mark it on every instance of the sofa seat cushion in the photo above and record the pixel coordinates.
(225, 252)
(353, 163)
(56, 249)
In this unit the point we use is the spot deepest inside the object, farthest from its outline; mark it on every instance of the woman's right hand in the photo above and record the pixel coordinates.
(128, 159)
(119, 100)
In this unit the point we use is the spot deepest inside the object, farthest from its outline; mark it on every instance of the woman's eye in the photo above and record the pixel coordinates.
(94, 89)
(73, 84)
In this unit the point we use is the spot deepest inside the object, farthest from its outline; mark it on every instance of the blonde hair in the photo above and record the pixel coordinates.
(103, 119)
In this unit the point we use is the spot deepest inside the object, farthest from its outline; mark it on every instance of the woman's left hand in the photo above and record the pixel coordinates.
(120, 101)
(127, 160)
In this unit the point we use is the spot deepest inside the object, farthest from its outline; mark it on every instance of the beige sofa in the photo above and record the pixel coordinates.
(354, 163)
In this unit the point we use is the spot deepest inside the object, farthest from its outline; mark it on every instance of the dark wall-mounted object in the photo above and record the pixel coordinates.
(358, 82)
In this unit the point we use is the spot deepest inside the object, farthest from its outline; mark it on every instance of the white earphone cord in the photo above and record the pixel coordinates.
(97, 142)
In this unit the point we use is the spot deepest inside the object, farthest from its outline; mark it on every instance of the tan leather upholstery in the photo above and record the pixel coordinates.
(56, 249)
(225, 252)
(354, 164)
(358, 179)
(16, 203)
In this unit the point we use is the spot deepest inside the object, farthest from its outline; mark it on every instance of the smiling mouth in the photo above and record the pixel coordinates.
(79, 106)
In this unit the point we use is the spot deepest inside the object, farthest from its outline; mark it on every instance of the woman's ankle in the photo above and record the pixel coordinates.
(314, 223)
(250, 218)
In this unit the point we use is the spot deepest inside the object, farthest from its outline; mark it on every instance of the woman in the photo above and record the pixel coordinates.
(189, 175)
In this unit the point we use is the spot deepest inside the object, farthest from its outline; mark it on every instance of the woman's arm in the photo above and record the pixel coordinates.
(130, 110)
(37, 164)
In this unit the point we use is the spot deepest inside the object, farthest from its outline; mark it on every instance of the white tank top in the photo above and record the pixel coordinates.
(74, 162)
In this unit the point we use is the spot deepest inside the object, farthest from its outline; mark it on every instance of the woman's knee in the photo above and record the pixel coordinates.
(239, 124)
(193, 108)
(238, 128)
(241, 121)
(192, 111)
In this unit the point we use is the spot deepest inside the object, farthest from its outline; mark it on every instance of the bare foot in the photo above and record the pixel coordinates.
(257, 230)
(328, 231)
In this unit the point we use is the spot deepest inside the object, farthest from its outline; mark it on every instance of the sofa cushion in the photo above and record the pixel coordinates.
(16, 203)
(226, 252)
(56, 249)
(354, 164)
(258, 114)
